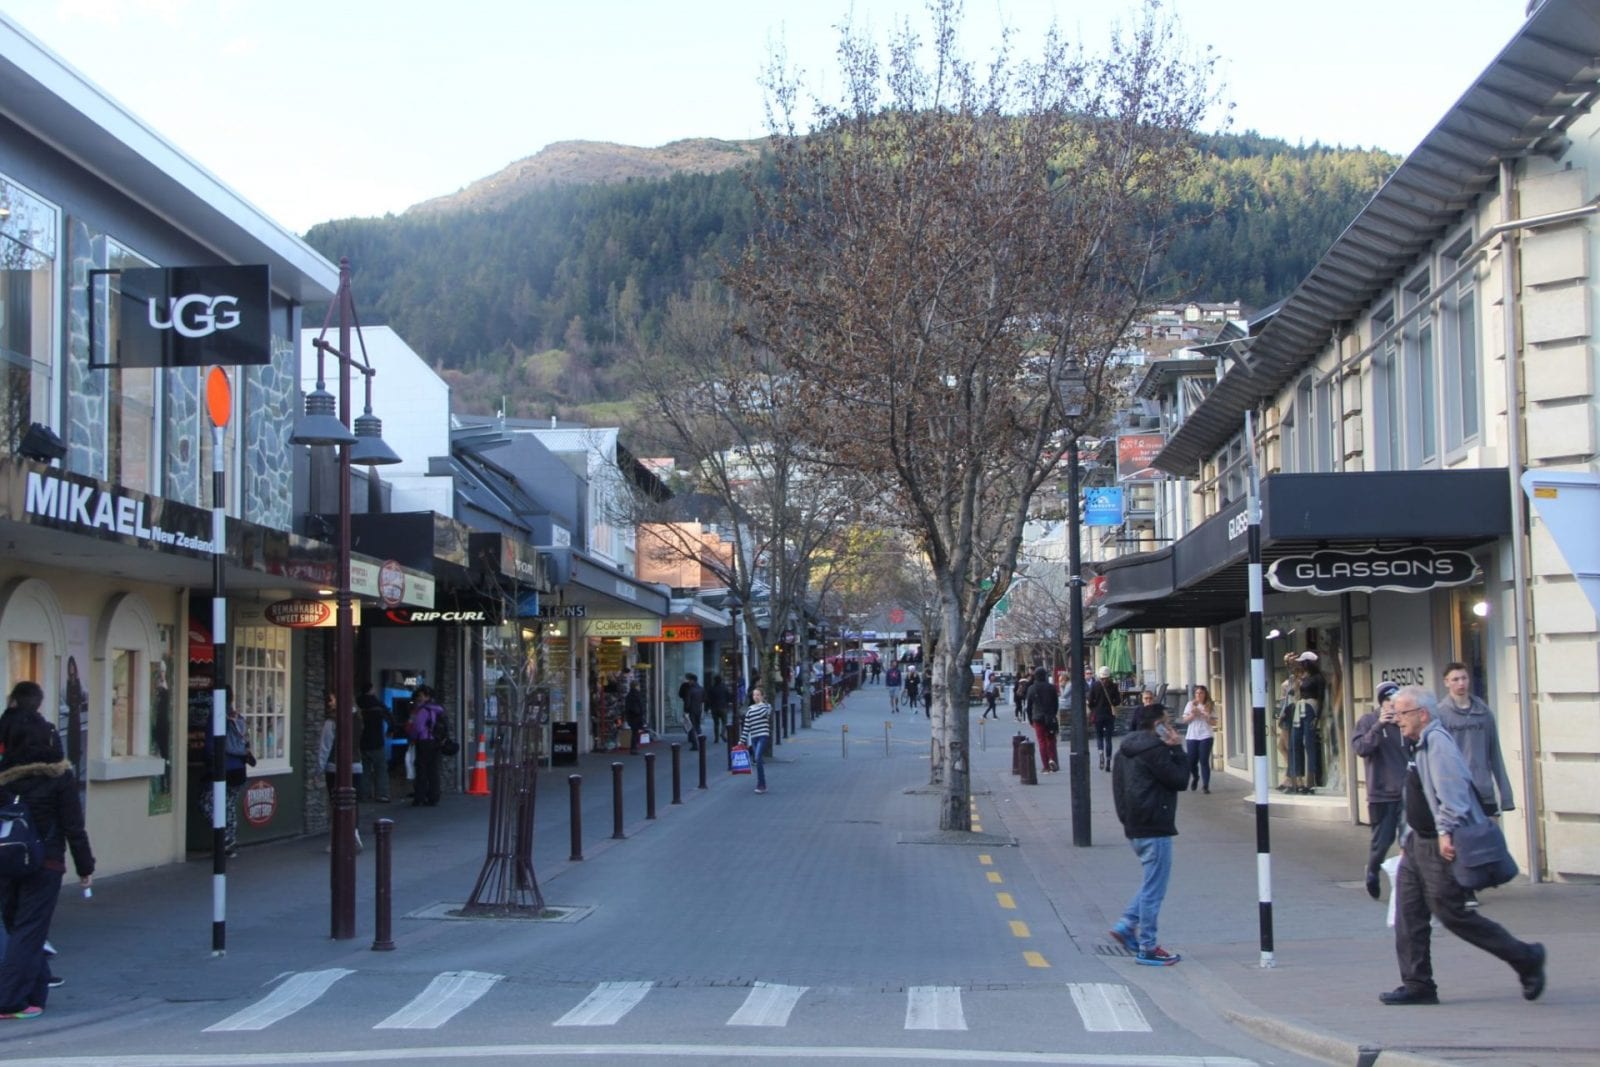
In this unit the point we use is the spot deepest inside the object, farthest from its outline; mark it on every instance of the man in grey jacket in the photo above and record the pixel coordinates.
(1438, 800)
(1472, 727)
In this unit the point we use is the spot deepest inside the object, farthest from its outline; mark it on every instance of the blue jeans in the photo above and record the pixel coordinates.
(758, 757)
(1155, 854)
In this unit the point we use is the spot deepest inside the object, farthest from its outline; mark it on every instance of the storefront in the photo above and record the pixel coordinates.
(1384, 575)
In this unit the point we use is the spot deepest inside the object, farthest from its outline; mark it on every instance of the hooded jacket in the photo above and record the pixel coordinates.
(51, 793)
(1380, 745)
(1446, 781)
(1044, 699)
(1476, 735)
(1146, 777)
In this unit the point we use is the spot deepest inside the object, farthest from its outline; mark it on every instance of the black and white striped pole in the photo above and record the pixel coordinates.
(1258, 695)
(219, 404)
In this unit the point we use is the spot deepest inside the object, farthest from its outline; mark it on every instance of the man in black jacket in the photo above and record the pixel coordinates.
(694, 704)
(1377, 741)
(1149, 772)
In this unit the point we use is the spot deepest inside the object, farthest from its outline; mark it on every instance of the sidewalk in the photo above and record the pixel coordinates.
(1333, 949)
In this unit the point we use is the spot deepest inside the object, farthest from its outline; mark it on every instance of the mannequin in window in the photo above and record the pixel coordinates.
(1305, 734)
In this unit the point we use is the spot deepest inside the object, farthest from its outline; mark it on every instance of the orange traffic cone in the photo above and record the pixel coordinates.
(478, 786)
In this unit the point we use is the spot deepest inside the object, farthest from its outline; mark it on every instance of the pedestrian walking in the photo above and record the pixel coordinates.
(633, 714)
(1104, 699)
(374, 744)
(991, 694)
(912, 685)
(693, 696)
(1044, 709)
(1377, 741)
(35, 770)
(1472, 726)
(891, 681)
(327, 756)
(1019, 698)
(1149, 771)
(717, 700)
(927, 699)
(237, 757)
(1200, 721)
(428, 726)
(755, 733)
(1438, 800)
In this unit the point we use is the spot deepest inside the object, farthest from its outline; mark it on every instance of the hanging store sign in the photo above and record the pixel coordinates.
(300, 613)
(484, 616)
(194, 317)
(624, 627)
(1102, 506)
(1406, 570)
(1136, 455)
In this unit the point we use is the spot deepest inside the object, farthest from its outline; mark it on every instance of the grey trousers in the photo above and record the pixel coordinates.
(1427, 887)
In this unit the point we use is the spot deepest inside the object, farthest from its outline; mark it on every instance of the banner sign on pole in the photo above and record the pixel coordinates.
(1102, 506)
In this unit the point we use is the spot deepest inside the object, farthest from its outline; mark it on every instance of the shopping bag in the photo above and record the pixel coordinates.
(739, 759)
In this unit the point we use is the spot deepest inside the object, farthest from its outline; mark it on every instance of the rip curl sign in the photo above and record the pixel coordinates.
(194, 317)
(1405, 570)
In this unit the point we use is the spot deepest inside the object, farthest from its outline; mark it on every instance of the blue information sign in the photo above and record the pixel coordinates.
(1102, 506)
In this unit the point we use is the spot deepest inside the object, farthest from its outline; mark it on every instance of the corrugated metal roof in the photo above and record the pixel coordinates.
(1537, 86)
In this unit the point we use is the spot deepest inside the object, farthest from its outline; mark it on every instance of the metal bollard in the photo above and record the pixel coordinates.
(1016, 753)
(649, 785)
(983, 736)
(677, 773)
(575, 798)
(886, 737)
(1030, 773)
(702, 765)
(844, 740)
(382, 840)
(616, 802)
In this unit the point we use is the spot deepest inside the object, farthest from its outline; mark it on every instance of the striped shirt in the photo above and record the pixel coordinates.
(757, 723)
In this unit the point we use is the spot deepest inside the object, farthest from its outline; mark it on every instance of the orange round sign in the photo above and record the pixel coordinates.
(219, 396)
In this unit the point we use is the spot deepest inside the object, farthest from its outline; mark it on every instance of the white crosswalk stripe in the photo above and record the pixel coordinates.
(934, 1007)
(768, 1005)
(1105, 1007)
(297, 991)
(448, 994)
(609, 1002)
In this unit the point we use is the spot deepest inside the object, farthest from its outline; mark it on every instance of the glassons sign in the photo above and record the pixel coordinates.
(1406, 570)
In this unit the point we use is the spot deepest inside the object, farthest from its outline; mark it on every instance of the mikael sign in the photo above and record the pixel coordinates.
(1405, 570)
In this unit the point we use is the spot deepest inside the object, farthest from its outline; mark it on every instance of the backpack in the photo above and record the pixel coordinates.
(21, 851)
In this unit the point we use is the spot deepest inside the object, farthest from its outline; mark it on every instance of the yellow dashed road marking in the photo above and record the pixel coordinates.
(994, 876)
(977, 828)
(1019, 929)
(1005, 901)
(1035, 960)
(985, 859)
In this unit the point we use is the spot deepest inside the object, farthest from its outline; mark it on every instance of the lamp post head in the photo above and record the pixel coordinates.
(370, 448)
(320, 424)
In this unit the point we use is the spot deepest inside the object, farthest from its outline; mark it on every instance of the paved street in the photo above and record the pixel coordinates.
(825, 921)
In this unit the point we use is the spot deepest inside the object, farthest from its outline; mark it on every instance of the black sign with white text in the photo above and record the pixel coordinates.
(1405, 570)
(194, 317)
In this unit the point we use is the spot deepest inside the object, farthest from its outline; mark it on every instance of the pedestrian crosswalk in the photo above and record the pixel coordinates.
(1101, 1007)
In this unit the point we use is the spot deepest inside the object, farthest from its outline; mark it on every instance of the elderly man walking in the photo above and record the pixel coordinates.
(1438, 799)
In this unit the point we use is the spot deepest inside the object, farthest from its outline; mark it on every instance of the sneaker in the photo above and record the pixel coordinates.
(1472, 900)
(761, 789)
(32, 1011)
(56, 981)
(1124, 937)
(1404, 996)
(1157, 957)
(49, 949)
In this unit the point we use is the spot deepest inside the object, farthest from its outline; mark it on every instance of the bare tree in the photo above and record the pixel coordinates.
(942, 254)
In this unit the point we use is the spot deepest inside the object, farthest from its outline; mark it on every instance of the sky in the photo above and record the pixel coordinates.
(321, 109)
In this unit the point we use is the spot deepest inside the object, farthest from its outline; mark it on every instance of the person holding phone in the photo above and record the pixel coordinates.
(1377, 741)
(1149, 772)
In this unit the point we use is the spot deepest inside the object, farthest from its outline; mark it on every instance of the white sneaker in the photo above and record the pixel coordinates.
(359, 845)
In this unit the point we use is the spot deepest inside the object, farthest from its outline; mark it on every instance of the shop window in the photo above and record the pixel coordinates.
(28, 235)
(116, 695)
(124, 704)
(1324, 460)
(133, 396)
(1386, 390)
(1461, 370)
(1421, 402)
(261, 693)
(24, 661)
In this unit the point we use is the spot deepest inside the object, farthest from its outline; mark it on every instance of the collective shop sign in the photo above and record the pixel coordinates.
(195, 317)
(624, 627)
(1405, 570)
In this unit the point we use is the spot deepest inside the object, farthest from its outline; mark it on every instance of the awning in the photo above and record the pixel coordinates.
(603, 593)
(1202, 579)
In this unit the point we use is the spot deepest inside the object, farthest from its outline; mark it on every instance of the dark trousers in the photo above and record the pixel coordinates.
(426, 787)
(693, 729)
(1200, 761)
(1104, 733)
(26, 905)
(988, 705)
(1427, 887)
(374, 774)
(1384, 815)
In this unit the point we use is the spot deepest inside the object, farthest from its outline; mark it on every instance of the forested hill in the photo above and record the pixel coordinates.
(528, 295)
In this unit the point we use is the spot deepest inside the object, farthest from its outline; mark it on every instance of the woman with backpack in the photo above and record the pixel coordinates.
(34, 772)
(427, 728)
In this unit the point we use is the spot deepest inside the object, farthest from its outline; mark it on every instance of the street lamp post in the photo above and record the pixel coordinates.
(1074, 401)
(328, 423)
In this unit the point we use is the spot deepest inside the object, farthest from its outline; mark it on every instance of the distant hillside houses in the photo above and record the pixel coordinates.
(1187, 322)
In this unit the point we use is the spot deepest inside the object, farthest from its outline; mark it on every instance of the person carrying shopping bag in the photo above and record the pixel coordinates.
(756, 733)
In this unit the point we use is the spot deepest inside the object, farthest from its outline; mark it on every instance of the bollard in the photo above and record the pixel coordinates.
(983, 735)
(702, 766)
(1016, 753)
(616, 802)
(1030, 773)
(844, 740)
(886, 737)
(677, 773)
(649, 785)
(575, 798)
(383, 931)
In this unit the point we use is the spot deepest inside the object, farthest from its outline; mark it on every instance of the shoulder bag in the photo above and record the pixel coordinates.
(1483, 860)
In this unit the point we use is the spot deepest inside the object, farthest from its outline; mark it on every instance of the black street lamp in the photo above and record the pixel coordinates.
(328, 423)
(1075, 404)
